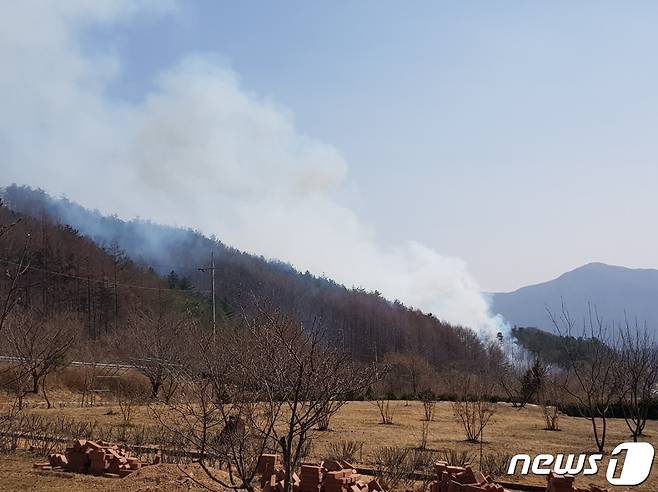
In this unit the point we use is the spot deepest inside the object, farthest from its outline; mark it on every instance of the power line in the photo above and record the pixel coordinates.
(211, 269)
(98, 281)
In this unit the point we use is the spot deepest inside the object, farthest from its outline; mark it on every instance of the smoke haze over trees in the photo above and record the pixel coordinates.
(199, 150)
(109, 252)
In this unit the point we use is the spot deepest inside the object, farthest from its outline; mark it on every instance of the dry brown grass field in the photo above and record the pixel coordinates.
(512, 431)
(17, 474)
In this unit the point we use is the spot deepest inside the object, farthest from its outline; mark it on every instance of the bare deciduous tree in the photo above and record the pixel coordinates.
(473, 408)
(17, 384)
(550, 398)
(156, 342)
(424, 435)
(408, 373)
(595, 380)
(312, 377)
(93, 353)
(40, 345)
(638, 373)
(429, 404)
(225, 415)
(522, 380)
(13, 271)
(128, 396)
(386, 410)
(274, 377)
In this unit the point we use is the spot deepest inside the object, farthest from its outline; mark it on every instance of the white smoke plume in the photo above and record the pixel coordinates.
(198, 150)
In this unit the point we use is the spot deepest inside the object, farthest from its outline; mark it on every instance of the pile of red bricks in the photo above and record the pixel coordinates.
(95, 458)
(273, 475)
(312, 478)
(565, 483)
(464, 479)
(461, 479)
(327, 476)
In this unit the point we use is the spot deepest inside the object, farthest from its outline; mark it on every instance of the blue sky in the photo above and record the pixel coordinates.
(518, 136)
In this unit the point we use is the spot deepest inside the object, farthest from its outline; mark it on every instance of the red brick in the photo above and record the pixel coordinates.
(472, 488)
(465, 477)
(333, 465)
(479, 477)
(375, 485)
(454, 486)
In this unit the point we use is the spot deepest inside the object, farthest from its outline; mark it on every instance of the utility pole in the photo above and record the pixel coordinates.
(211, 269)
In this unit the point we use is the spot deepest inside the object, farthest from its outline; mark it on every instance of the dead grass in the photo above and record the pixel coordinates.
(512, 431)
(17, 474)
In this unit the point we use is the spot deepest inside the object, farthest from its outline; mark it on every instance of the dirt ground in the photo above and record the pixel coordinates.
(512, 431)
(17, 474)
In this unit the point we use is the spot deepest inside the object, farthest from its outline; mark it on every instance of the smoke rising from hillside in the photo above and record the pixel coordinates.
(198, 150)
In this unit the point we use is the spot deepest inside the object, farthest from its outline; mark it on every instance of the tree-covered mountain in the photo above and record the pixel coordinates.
(613, 292)
(551, 348)
(54, 270)
(364, 323)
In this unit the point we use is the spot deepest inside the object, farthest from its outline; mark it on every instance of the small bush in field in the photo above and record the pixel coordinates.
(457, 457)
(429, 404)
(392, 466)
(422, 460)
(495, 464)
(386, 411)
(346, 450)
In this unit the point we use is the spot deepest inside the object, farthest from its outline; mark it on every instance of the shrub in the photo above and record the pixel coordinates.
(128, 396)
(474, 416)
(346, 450)
(424, 435)
(456, 457)
(423, 460)
(429, 404)
(551, 417)
(392, 466)
(386, 411)
(495, 464)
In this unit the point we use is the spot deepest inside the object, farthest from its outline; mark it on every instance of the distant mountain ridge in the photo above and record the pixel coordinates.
(614, 291)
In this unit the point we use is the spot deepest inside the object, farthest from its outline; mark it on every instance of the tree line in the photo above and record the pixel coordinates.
(103, 252)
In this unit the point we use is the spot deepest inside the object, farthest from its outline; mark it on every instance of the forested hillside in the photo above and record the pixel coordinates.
(551, 348)
(98, 266)
(53, 269)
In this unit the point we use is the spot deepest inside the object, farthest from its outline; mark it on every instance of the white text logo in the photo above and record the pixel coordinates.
(634, 469)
